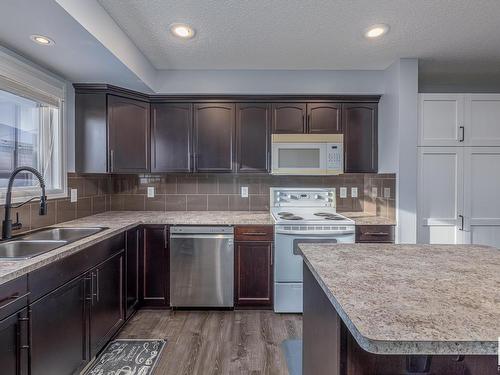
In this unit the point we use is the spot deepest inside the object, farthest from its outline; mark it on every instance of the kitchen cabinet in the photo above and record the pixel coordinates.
(214, 128)
(375, 234)
(289, 118)
(107, 310)
(253, 132)
(254, 266)
(324, 118)
(459, 120)
(14, 344)
(132, 256)
(58, 329)
(171, 137)
(128, 132)
(359, 123)
(155, 267)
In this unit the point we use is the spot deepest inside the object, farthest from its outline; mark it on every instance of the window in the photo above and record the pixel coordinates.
(31, 134)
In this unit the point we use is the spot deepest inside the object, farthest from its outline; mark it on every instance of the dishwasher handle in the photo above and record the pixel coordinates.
(202, 236)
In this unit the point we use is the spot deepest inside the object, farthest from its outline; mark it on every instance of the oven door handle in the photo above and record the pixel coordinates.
(296, 250)
(319, 234)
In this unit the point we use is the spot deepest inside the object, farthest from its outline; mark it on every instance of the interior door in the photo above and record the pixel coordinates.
(128, 128)
(482, 185)
(107, 309)
(440, 195)
(482, 125)
(324, 118)
(441, 120)
(171, 136)
(214, 126)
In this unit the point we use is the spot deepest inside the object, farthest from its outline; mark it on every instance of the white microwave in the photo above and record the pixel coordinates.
(307, 154)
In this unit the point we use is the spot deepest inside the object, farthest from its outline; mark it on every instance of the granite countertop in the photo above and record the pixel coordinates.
(365, 218)
(413, 299)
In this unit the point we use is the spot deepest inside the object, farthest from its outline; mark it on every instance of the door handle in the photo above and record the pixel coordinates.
(462, 133)
(462, 222)
(112, 160)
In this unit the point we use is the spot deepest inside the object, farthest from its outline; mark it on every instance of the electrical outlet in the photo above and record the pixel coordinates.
(374, 192)
(387, 192)
(151, 191)
(73, 197)
(244, 191)
(354, 192)
(343, 192)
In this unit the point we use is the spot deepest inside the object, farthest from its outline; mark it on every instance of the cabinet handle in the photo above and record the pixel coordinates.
(376, 234)
(308, 125)
(272, 254)
(462, 133)
(254, 233)
(462, 222)
(97, 284)
(165, 241)
(112, 160)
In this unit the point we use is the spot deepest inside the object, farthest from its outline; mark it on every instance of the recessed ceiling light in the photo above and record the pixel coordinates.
(376, 31)
(182, 30)
(43, 40)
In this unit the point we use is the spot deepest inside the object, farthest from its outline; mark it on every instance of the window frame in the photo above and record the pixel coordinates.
(15, 71)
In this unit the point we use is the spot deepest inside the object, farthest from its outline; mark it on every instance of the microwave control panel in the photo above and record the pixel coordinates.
(335, 156)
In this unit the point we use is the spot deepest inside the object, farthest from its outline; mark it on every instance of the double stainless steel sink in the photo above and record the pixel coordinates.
(42, 241)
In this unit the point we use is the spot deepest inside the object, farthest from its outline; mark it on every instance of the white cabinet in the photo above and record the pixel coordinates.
(458, 190)
(440, 119)
(459, 120)
(440, 195)
(482, 190)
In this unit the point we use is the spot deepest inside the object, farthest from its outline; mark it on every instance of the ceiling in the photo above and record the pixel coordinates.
(445, 35)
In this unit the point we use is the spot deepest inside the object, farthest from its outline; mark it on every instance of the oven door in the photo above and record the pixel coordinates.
(288, 262)
(299, 158)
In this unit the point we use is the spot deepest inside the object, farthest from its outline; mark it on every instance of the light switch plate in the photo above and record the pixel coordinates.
(73, 197)
(354, 192)
(374, 192)
(244, 191)
(151, 191)
(343, 192)
(387, 192)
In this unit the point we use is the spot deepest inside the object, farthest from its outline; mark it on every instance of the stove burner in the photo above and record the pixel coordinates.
(285, 213)
(291, 217)
(333, 218)
(324, 214)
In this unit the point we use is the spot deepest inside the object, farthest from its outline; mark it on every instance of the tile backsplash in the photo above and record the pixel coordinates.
(201, 192)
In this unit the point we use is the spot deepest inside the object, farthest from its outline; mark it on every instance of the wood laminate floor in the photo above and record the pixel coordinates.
(217, 342)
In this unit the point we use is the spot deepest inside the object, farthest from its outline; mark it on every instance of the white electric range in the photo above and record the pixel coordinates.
(302, 215)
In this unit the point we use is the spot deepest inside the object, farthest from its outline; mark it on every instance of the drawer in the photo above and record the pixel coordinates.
(13, 296)
(375, 233)
(254, 233)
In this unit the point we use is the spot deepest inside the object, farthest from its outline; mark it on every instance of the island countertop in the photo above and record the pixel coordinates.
(413, 299)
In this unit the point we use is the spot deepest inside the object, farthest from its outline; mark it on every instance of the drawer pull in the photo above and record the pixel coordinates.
(376, 234)
(254, 234)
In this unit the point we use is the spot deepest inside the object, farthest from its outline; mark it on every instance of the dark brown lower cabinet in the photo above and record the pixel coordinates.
(154, 271)
(253, 274)
(107, 312)
(132, 254)
(14, 343)
(58, 330)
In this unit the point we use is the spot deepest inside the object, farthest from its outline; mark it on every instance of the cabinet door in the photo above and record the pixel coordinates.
(171, 136)
(440, 195)
(253, 274)
(253, 131)
(128, 127)
(359, 122)
(58, 330)
(289, 118)
(482, 120)
(107, 310)
(132, 274)
(155, 268)
(440, 120)
(214, 137)
(482, 206)
(324, 118)
(14, 344)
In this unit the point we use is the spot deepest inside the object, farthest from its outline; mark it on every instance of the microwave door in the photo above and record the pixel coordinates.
(299, 158)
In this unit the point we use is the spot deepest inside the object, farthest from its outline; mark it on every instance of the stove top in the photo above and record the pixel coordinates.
(308, 215)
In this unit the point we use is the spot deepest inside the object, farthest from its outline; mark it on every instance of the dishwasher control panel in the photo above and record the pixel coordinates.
(201, 229)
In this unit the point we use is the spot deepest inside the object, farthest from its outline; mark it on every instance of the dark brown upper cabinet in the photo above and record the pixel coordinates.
(359, 121)
(253, 132)
(128, 132)
(214, 129)
(289, 118)
(324, 118)
(171, 136)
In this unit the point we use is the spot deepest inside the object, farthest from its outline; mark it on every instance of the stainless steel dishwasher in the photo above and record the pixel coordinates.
(201, 266)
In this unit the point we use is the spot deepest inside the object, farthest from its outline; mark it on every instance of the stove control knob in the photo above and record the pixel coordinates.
(317, 196)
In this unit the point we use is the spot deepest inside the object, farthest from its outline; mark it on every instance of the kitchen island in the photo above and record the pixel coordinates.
(400, 309)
